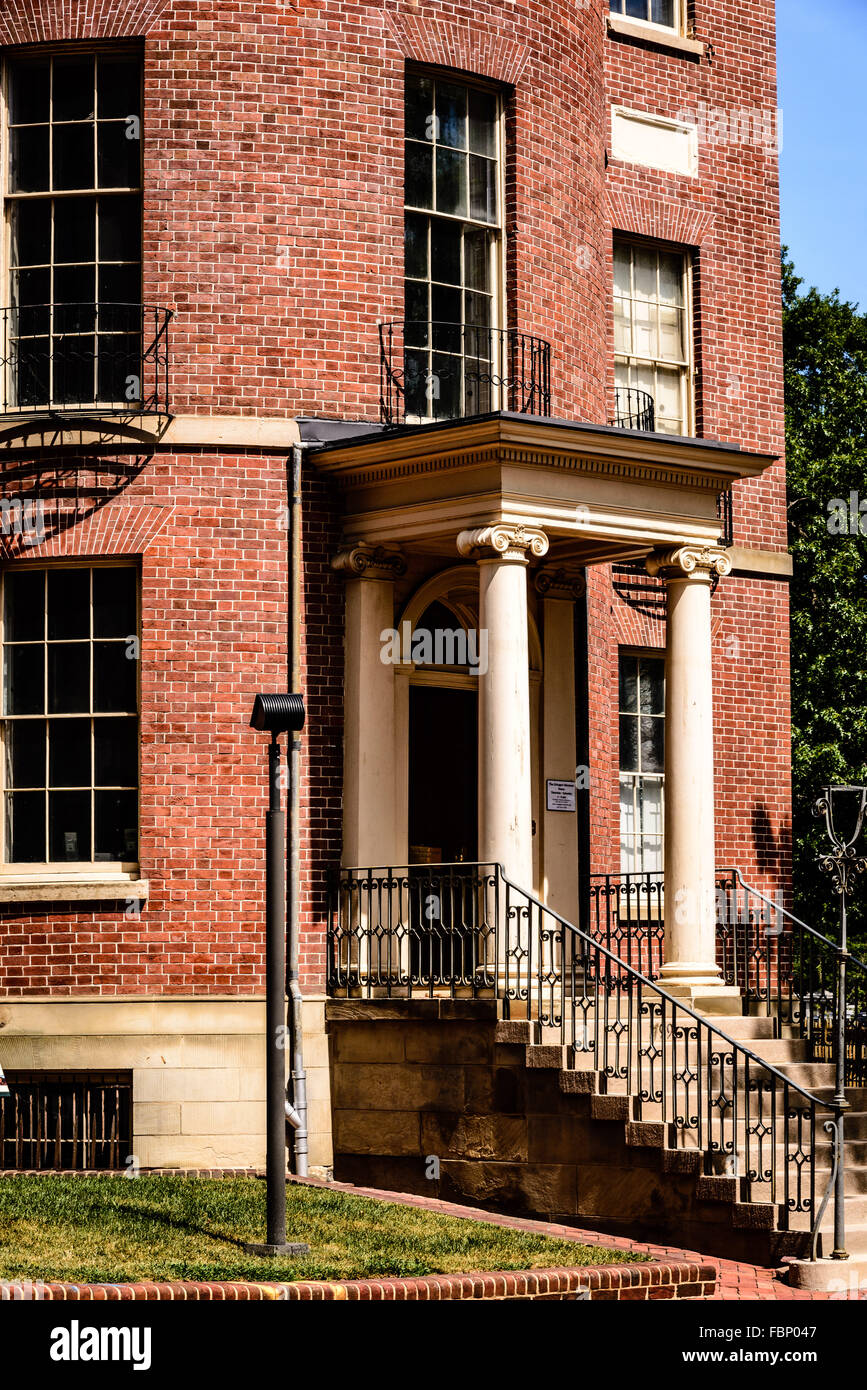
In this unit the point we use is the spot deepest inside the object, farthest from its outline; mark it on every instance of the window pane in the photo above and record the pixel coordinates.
(652, 745)
(628, 743)
(651, 807)
(671, 280)
(74, 284)
(415, 245)
(644, 329)
(622, 326)
(31, 232)
(69, 753)
(622, 270)
(73, 89)
(483, 122)
(662, 12)
(116, 825)
(668, 395)
(451, 115)
(68, 677)
(118, 284)
(644, 274)
(25, 753)
(651, 855)
(118, 158)
(483, 189)
(119, 229)
(114, 602)
(446, 392)
(68, 603)
(115, 744)
(29, 172)
(636, 9)
(118, 87)
(629, 684)
(445, 251)
(419, 108)
(29, 93)
(446, 308)
(477, 260)
(24, 600)
(415, 368)
(72, 156)
(419, 175)
(114, 677)
(416, 313)
(24, 678)
(25, 827)
(653, 687)
(671, 344)
(451, 183)
(74, 229)
(69, 825)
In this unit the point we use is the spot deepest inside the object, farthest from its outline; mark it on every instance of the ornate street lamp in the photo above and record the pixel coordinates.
(843, 810)
(276, 715)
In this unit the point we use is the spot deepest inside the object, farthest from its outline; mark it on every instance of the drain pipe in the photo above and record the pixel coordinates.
(296, 1110)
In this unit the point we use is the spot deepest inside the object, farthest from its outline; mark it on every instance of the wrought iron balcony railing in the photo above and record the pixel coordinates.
(633, 409)
(110, 358)
(451, 371)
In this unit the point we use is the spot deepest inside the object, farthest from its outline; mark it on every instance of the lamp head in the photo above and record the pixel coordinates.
(278, 714)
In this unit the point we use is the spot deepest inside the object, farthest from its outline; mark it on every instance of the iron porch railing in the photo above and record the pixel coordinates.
(633, 409)
(468, 929)
(431, 370)
(112, 358)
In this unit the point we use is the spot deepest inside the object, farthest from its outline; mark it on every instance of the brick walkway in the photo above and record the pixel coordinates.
(737, 1280)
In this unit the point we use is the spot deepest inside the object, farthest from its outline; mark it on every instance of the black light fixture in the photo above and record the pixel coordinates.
(276, 715)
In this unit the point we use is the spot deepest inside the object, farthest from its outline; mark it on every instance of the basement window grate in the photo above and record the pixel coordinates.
(71, 1121)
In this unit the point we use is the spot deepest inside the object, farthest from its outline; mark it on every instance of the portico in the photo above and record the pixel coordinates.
(527, 504)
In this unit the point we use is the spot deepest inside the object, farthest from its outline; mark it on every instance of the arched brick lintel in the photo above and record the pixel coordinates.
(108, 530)
(662, 218)
(49, 21)
(449, 43)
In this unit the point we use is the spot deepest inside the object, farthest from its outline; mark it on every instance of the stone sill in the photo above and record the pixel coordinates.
(54, 888)
(657, 37)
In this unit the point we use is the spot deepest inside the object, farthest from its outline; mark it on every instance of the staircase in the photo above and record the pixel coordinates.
(735, 1112)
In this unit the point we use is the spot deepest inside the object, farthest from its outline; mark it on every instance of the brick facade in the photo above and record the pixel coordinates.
(273, 227)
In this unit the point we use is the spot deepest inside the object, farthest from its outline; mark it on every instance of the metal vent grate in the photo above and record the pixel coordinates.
(66, 1120)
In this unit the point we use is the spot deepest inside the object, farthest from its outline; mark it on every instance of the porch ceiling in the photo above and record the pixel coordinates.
(599, 493)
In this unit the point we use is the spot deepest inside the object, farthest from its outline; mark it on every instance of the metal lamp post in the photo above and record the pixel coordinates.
(843, 863)
(276, 715)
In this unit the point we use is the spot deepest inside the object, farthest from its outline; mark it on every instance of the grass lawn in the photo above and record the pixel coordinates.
(122, 1230)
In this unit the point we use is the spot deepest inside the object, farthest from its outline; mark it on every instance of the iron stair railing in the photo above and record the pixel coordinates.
(468, 929)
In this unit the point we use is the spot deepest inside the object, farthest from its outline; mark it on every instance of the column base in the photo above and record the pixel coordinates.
(701, 987)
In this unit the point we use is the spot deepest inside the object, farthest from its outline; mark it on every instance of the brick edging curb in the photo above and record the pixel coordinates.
(597, 1283)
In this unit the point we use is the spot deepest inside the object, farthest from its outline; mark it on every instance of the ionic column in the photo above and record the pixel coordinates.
(505, 800)
(690, 969)
(369, 747)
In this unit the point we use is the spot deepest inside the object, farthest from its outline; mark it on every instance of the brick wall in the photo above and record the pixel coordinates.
(273, 227)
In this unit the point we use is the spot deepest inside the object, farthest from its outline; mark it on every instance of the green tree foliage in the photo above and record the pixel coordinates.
(825, 341)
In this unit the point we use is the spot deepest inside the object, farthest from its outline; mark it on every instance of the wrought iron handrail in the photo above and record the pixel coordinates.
(633, 409)
(795, 977)
(434, 370)
(99, 356)
(468, 928)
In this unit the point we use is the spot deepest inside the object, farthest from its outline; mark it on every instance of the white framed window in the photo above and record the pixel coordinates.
(70, 717)
(653, 333)
(641, 709)
(658, 14)
(72, 171)
(453, 248)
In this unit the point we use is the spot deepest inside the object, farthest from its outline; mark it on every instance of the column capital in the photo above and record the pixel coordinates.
(361, 560)
(703, 564)
(503, 542)
(560, 581)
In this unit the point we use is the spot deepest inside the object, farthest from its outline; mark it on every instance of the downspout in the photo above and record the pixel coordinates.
(296, 1109)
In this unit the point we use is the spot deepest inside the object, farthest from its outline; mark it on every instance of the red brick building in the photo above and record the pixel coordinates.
(503, 280)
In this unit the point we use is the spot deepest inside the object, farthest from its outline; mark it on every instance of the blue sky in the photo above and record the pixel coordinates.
(822, 47)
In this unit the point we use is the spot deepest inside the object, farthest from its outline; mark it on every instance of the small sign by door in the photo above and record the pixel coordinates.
(4, 1089)
(561, 796)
